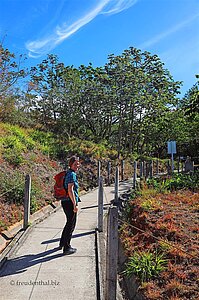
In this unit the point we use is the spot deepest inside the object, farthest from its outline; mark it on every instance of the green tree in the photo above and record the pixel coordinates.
(121, 103)
(143, 91)
(189, 108)
(10, 74)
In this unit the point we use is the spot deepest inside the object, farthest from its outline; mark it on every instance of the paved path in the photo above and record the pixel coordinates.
(38, 270)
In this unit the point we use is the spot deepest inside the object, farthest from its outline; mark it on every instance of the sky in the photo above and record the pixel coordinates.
(88, 31)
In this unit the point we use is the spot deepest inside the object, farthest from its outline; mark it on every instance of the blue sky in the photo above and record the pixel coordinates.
(83, 31)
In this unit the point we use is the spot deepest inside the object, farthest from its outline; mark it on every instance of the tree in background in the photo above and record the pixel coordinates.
(192, 100)
(130, 103)
(189, 107)
(121, 103)
(143, 92)
(10, 73)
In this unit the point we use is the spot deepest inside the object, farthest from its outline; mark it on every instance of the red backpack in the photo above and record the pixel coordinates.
(59, 190)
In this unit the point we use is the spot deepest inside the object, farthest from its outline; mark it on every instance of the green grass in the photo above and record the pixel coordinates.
(145, 265)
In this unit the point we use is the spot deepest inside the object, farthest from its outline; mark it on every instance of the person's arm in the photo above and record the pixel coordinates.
(72, 196)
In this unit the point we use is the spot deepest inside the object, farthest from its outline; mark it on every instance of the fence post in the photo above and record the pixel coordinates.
(157, 166)
(116, 185)
(109, 172)
(182, 166)
(178, 164)
(100, 205)
(27, 201)
(134, 174)
(150, 169)
(141, 169)
(144, 169)
(98, 170)
(112, 254)
(122, 170)
(147, 169)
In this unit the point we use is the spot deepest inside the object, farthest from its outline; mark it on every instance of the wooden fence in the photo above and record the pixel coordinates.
(146, 169)
(27, 201)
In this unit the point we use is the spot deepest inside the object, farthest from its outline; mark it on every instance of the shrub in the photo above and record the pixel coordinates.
(21, 135)
(36, 193)
(176, 182)
(13, 157)
(12, 150)
(12, 187)
(145, 265)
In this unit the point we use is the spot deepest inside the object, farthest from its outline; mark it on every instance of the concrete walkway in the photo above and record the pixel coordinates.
(37, 269)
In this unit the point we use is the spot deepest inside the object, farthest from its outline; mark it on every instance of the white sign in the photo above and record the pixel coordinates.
(171, 146)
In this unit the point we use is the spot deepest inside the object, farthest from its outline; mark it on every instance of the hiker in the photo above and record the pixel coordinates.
(70, 205)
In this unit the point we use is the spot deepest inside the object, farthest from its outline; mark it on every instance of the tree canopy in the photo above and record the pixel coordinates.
(132, 102)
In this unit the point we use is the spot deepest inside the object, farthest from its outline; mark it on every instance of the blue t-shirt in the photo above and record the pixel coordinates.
(71, 177)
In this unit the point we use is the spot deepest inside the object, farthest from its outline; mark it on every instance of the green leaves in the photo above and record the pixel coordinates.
(120, 102)
(10, 70)
(176, 182)
(145, 265)
(131, 101)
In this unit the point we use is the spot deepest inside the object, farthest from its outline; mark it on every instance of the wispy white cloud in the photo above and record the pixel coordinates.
(42, 46)
(169, 32)
(114, 7)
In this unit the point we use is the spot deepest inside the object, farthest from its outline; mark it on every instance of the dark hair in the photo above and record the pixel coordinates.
(72, 160)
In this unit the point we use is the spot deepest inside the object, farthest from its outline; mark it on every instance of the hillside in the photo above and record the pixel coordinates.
(33, 152)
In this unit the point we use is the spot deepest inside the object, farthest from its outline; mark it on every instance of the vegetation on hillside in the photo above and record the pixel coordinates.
(131, 103)
(159, 231)
(30, 151)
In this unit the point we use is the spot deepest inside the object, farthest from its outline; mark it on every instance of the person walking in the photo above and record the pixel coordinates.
(70, 205)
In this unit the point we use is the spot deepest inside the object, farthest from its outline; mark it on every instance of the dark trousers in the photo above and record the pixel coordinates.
(71, 218)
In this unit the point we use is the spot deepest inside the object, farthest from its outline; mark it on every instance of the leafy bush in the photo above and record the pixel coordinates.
(161, 185)
(176, 182)
(41, 137)
(13, 157)
(145, 265)
(12, 150)
(36, 193)
(21, 136)
(12, 187)
(188, 181)
(14, 144)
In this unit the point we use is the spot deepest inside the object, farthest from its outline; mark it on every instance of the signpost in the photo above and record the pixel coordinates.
(171, 146)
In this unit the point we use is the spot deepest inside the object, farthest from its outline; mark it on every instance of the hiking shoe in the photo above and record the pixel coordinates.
(69, 251)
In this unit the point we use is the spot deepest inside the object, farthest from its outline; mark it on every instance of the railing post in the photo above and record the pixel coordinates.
(27, 201)
(150, 169)
(182, 166)
(100, 205)
(116, 185)
(109, 172)
(112, 254)
(147, 169)
(134, 174)
(141, 169)
(144, 169)
(157, 166)
(178, 164)
(98, 170)
(122, 170)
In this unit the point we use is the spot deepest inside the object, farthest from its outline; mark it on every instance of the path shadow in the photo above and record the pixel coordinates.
(74, 236)
(22, 263)
(94, 206)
